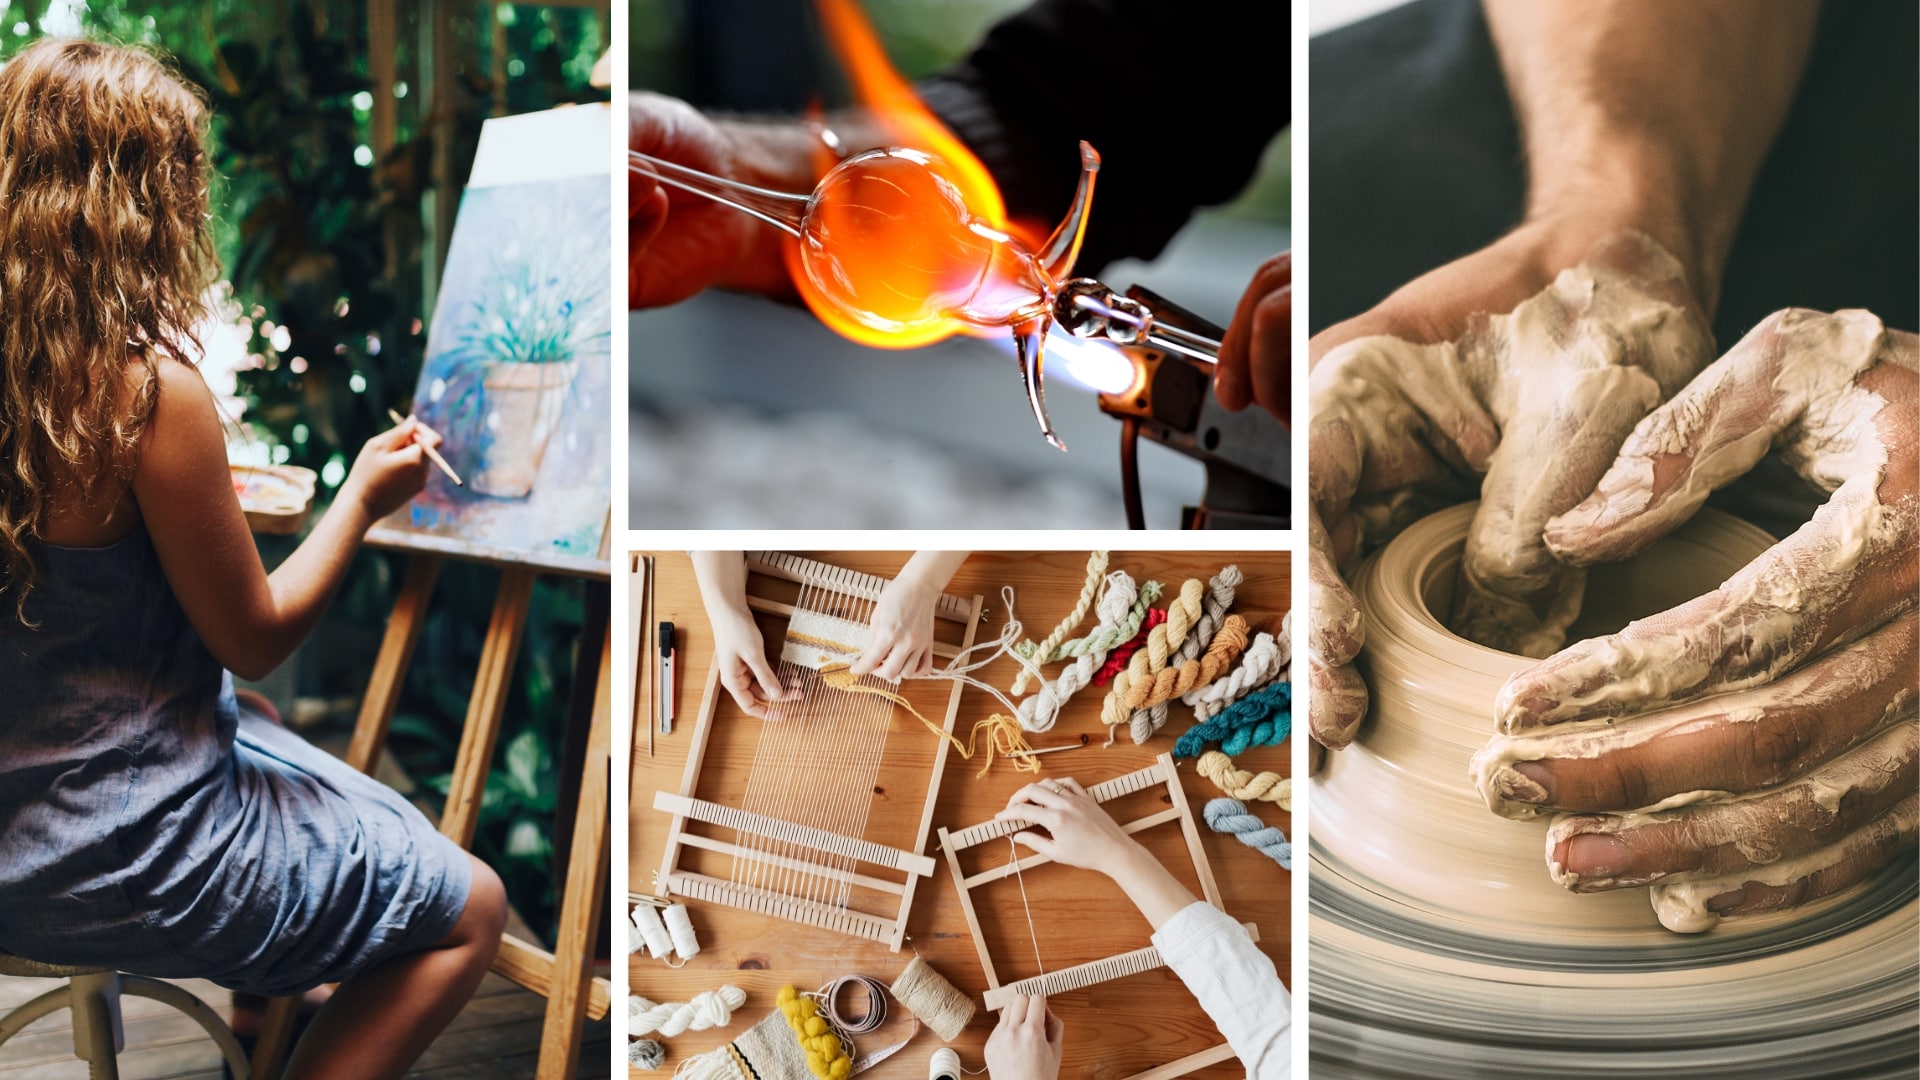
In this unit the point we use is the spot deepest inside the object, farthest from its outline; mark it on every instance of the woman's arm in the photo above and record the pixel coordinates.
(252, 621)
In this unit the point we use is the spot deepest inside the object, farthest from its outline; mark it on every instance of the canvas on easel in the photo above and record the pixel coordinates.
(518, 369)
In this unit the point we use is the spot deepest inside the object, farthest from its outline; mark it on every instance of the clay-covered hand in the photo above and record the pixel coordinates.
(1527, 409)
(679, 243)
(740, 653)
(1774, 718)
(1256, 355)
(1026, 1043)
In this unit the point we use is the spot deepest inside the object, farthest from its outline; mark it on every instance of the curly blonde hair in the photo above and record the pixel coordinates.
(105, 260)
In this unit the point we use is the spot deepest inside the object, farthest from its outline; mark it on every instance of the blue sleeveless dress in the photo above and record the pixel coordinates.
(149, 824)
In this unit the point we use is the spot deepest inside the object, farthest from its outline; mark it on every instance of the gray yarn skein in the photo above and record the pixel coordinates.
(1231, 816)
(1145, 723)
(646, 1054)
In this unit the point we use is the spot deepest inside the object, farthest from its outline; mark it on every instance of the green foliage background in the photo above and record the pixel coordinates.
(321, 240)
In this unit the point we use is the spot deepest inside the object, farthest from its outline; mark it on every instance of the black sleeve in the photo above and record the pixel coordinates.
(1180, 99)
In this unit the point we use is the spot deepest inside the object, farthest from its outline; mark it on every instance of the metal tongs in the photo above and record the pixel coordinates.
(1092, 310)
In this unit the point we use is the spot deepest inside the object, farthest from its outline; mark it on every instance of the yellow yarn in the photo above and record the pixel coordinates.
(1003, 732)
(1043, 652)
(1182, 613)
(1241, 784)
(826, 1055)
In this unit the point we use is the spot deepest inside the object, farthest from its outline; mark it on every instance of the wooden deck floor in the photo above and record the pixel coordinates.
(496, 1036)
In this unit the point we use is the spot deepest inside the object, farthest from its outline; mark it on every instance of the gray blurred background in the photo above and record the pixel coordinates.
(750, 414)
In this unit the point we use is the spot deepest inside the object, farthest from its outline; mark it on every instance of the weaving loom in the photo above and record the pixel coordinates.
(798, 849)
(1161, 773)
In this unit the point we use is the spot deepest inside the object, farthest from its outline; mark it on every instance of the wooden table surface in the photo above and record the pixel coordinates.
(1115, 1029)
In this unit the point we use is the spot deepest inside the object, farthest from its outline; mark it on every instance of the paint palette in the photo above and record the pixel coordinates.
(275, 498)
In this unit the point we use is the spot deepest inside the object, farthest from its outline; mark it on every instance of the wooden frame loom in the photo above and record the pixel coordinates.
(1161, 773)
(787, 847)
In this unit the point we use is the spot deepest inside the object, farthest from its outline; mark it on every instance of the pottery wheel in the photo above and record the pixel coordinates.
(1442, 949)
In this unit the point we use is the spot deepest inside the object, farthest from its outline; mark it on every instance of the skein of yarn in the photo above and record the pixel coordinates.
(1117, 659)
(1117, 609)
(646, 1054)
(1048, 650)
(1262, 718)
(1242, 784)
(1232, 816)
(680, 925)
(708, 1009)
(826, 1055)
(1183, 612)
(1222, 644)
(1262, 664)
(938, 1003)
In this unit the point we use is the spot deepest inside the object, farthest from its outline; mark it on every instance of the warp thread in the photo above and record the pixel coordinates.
(1231, 816)
(1117, 607)
(1107, 635)
(646, 921)
(1183, 613)
(646, 1054)
(827, 1055)
(1262, 718)
(680, 925)
(708, 1009)
(1003, 733)
(1150, 714)
(938, 1003)
(1241, 784)
(1047, 651)
(1264, 662)
(1117, 659)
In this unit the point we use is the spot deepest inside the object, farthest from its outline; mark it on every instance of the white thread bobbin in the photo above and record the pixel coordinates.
(652, 931)
(680, 925)
(945, 1065)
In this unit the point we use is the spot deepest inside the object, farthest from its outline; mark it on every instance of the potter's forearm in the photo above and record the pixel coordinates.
(1654, 114)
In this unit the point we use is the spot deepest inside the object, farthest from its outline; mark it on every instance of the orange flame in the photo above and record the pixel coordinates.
(925, 236)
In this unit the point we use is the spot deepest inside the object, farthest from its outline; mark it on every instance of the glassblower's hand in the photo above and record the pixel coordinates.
(679, 243)
(1528, 408)
(1256, 355)
(1806, 759)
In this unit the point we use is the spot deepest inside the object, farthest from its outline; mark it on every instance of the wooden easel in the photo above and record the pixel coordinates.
(564, 976)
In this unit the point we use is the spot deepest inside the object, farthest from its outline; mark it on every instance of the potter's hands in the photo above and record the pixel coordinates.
(680, 243)
(1527, 407)
(1256, 355)
(1026, 1044)
(1812, 647)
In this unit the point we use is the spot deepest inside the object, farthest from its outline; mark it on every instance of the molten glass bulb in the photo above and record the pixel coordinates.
(888, 239)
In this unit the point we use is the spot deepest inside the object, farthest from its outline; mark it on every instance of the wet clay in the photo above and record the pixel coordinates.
(1423, 904)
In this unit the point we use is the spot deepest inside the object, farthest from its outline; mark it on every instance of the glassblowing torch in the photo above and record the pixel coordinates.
(1246, 454)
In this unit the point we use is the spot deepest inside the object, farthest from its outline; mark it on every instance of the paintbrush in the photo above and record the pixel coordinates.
(432, 454)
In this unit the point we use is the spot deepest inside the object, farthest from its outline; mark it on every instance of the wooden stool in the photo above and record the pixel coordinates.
(94, 996)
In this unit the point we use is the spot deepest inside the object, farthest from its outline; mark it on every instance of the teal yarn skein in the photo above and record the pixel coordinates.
(1262, 718)
(1231, 816)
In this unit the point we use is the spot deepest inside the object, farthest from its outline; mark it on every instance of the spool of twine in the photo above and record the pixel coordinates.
(945, 1065)
(938, 1003)
(680, 926)
(652, 931)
